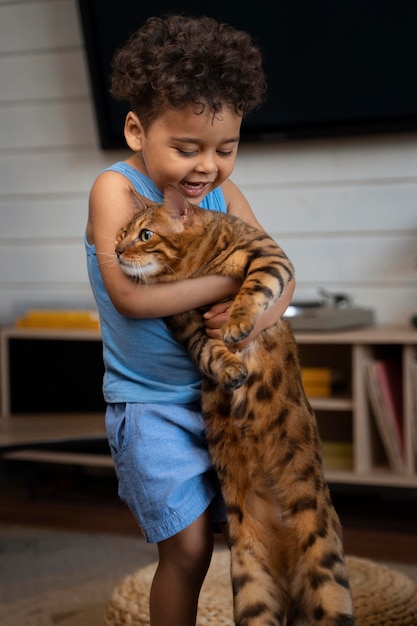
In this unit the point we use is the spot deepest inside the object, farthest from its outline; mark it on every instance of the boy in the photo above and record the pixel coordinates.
(189, 82)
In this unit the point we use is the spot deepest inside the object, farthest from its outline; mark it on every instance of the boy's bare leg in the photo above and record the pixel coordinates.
(183, 563)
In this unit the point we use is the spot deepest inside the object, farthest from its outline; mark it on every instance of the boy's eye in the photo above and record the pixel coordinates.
(187, 153)
(191, 153)
(145, 234)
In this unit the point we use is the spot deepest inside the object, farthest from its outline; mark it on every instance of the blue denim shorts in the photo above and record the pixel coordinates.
(164, 472)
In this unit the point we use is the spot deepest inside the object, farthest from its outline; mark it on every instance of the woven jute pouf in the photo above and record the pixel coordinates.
(382, 596)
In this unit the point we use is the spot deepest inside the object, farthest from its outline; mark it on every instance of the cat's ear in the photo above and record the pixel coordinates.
(140, 203)
(175, 204)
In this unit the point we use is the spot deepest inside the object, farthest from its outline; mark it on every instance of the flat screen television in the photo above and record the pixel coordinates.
(334, 67)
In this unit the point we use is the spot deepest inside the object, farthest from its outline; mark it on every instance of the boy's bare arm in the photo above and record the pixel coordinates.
(218, 316)
(110, 209)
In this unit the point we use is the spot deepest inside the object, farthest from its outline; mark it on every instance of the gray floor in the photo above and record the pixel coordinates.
(60, 578)
(50, 577)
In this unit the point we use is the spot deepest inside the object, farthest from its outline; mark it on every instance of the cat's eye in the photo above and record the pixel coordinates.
(145, 234)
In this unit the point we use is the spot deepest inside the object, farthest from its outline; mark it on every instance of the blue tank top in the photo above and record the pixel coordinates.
(143, 361)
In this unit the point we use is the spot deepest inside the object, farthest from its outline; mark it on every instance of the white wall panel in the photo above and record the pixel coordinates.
(59, 263)
(63, 172)
(339, 208)
(346, 259)
(31, 126)
(328, 162)
(42, 76)
(344, 210)
(46, 219)
(34, 26)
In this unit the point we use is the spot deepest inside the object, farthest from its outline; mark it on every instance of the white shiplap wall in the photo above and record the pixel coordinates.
(345, 210)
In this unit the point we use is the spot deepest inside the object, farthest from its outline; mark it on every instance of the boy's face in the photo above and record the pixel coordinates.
(193, 151)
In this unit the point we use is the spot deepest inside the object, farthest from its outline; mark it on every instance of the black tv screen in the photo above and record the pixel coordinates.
(333, 67)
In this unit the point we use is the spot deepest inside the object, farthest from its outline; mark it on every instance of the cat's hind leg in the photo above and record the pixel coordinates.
(259, 576)
(321, 580)
(258, 600)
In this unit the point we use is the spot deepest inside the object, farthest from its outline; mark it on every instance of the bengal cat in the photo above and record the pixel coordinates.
(287, 561)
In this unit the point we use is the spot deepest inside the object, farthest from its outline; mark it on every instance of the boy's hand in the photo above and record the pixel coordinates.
(216, 317)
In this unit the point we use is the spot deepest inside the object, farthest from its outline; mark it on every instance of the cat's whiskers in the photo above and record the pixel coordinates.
(109, 255)
(142, 278)
(169, 269)
(107, 265)
(138, 274)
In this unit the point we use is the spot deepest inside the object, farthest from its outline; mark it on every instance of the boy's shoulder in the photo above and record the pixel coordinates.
(123, 175)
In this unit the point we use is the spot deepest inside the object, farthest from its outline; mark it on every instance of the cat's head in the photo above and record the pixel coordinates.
(151, 244)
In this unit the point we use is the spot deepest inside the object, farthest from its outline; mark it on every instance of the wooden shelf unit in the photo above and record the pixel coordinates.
(32, 436)
(10, 333)
(346, 414)
(349, 351)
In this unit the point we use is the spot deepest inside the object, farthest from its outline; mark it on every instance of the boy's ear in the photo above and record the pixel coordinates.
(133, 131)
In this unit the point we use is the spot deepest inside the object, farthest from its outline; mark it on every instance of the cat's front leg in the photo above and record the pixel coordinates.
(242, 320)
(264, 284)
(211, 356)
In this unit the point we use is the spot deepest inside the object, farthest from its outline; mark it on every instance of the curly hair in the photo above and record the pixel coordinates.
(177, 60)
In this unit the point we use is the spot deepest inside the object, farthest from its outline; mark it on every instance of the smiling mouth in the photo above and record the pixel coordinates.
(194, 188)
(186, 183)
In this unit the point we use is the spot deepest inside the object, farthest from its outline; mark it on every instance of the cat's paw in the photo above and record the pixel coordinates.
(233, 376)
(233, 333)
(222, 366)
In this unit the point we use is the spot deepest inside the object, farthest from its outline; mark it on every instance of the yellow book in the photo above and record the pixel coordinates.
(337, 455)
(48, 318)
(317, 391)
(316, 375)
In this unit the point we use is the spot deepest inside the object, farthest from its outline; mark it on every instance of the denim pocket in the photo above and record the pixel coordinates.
(117, 426)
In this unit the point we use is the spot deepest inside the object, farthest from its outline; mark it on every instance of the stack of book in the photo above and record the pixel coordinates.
(337, 455)
(414, 402)
(384, 384)
(84, 319)
(317, 381)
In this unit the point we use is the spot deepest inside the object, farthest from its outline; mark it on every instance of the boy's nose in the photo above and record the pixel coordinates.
(206, 164)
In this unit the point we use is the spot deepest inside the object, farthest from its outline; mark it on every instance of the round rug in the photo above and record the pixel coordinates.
(381, 595)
